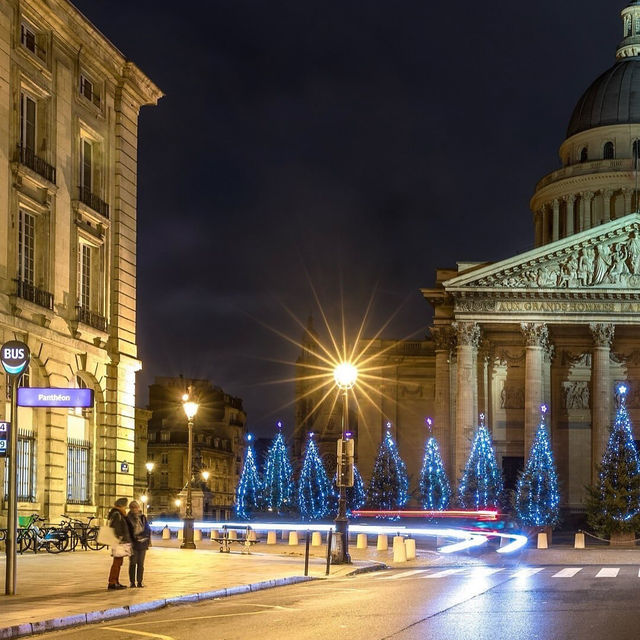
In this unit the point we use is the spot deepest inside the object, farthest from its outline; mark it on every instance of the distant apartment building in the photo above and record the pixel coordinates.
(218, 439)
(69, 102)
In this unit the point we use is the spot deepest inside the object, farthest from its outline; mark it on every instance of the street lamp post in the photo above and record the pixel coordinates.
(345, 375)
(149, 466)
(190, 409)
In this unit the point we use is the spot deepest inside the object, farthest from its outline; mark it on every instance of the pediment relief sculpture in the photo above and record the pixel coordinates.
(576, 395)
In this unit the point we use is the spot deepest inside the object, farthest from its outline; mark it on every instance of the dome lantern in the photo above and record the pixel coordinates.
(630, 44)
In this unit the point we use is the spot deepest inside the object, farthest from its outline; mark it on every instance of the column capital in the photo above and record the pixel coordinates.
(468, 333)
(607, 193)
(555, 203)
(444, 337)
(588, 195)
(536, 334)
(602, 333)
(570, 199)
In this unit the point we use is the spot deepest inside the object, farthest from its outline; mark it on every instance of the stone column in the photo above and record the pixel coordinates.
(468, 341)
(444, 338)
(601, 392)
(537, 338)
(538, 227)
(587, 198)
(570, 200)
(544, 214)
(607, 194)
(556, 220)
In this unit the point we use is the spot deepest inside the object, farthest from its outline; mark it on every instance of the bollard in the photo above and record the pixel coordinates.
(232, 534)
(293, 538)
(399, 550)
(316, 539)
(180, 533)
(197, 535)
(214, 534)
(542, 541)
(166, 533)
(579, 541)
(271, 537)
(410, 548)
(362, 541)
(306, 553)
(251, 535)
(383, 542)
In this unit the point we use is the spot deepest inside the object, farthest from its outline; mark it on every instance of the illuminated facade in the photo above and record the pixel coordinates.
(557, 324)
(68, 138)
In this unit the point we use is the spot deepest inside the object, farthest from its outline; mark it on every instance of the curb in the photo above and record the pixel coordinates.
(78, 619)
(378, 566)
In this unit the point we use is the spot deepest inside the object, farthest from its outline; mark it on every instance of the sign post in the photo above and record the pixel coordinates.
(14, 356)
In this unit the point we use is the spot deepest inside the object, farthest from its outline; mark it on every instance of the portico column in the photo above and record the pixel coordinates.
(556, 220)
(536, 337)
(538, 227)
(468, 341)
(607, 194)
(587, 198)
(444, 338)
(570, 200)
(601, 392)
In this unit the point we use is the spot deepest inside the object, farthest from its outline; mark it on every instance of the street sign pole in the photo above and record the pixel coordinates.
(14, 356)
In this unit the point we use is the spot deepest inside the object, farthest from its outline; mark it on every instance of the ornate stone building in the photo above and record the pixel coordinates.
(68, 137)
(557, 324)
(218, 441)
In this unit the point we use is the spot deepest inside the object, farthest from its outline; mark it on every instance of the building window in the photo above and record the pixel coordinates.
(28, 110)
(164, 458)
(26, 467)
(164, 479)
(88, 90)
(26, 247)
(637, 21)
(78, 470)
(607, 153)
(86, 166)
(165, 436)
(635, 151)
(84, 276)
(30, 40)
(583, 154)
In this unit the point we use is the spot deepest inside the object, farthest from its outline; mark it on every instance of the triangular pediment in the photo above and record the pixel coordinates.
(605, 257)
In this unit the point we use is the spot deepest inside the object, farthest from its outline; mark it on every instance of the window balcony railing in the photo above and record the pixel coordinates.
(93, 202)
(27, 291)
(28, 158)
(91, 318)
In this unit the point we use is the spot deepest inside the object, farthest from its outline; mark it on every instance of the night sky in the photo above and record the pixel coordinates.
(354, 145)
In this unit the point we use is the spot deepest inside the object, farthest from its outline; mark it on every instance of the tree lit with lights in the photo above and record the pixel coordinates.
(435, 490)
(481, 483)
(537, 498)
(613, 505)
(278, 476)
(249, 490)
(314, 487)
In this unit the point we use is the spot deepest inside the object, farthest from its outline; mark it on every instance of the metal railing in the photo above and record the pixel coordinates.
(91, 318)
(27, 291)
(92, 201)
(28, 158)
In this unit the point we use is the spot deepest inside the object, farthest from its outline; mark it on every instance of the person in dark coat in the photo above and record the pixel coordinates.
(141, 534)
(117, 520)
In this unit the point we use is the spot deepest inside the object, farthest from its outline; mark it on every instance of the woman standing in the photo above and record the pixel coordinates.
(141, 534)
(118, 522)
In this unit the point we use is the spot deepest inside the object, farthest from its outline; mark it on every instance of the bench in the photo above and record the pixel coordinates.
(243, 538)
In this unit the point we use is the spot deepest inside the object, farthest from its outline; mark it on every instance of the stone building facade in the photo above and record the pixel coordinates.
(218, 440)
(558, 324)
(69, 105)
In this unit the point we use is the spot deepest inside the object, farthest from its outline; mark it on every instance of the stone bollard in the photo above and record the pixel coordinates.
(197, 535)
(362, 541)
(579, 541)
(251, 535)
(542, 541)
(383, 542)
(399, 550)
(180, 533)
(214, 534)
(166, 533)
(410, 548)
(232, 534)
(271, 537)
(293, 538)
(316, 539)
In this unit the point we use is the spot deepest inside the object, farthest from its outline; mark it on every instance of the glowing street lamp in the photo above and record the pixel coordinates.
(149, 466)
(345, 375)
(190, 410)
(205, 476)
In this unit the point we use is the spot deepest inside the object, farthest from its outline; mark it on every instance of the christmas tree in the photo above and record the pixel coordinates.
(356, 496)
(481, 484)
(314, 488)
(389, 483)
(613, 505)
(278, 476)
(435, 490)
(537, 500)
(248, 492)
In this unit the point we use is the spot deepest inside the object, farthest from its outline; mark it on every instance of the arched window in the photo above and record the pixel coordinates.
(607, 152)
(635, 151)
(627, 26)
(583, 154)
(637, 26)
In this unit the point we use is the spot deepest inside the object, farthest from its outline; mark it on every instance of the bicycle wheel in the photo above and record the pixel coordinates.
(56, 543)
(23, 540)
(92, 540)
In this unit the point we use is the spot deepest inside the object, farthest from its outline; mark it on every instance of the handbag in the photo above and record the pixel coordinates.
(121, 550)
(107, 536)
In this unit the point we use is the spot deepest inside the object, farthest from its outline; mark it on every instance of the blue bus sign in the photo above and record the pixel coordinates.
(4, 438)
(50, 397)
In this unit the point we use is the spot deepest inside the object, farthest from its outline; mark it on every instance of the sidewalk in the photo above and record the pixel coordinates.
(68, 589)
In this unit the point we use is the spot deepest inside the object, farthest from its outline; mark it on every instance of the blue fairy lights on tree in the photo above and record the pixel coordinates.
(249, 489)
(481, 483)
(389, 484)
(356, 495)
(537, 498)
(435, 490)
(314, 488)
(278, 476)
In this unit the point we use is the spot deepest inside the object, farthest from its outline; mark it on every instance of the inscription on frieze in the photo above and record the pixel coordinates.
(551, 306)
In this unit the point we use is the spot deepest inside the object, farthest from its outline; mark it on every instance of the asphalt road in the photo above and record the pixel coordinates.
(540, 603)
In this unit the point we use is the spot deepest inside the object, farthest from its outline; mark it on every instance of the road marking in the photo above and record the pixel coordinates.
(444, 573)
(139, 633)
(404, 574)
(525, 573)
(483, 572)
(608, 573)
(567, 573)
